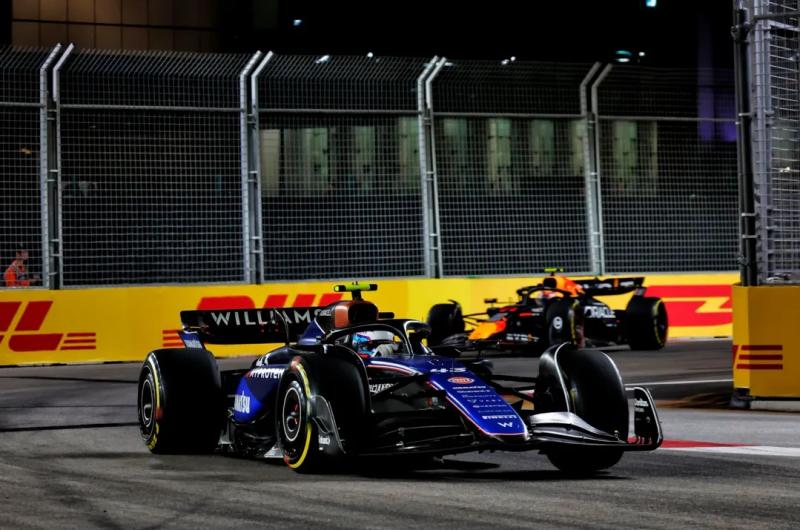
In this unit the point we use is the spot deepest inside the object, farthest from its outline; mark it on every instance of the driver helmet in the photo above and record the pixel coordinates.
(366, 342)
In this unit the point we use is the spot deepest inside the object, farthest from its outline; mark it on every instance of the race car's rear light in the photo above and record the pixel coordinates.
(526, 314)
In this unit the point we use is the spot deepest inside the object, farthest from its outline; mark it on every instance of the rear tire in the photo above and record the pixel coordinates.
(646, 323)
(445, 320)
(596, 394)
(180, 403)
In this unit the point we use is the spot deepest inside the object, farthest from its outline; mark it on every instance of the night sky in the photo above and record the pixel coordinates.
(674, 33)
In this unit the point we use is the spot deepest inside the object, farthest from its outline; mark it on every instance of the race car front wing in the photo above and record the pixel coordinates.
(560, 428)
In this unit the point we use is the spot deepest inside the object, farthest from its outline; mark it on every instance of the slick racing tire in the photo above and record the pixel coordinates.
(596, 394)
(180, 404)
(646, 323)
(564, 317)
(445, 320)
(307, 379)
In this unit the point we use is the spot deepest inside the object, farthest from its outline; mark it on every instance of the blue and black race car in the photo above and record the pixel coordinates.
(358, 383)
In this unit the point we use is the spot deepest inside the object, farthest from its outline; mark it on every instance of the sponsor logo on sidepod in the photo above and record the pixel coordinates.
(461, 380)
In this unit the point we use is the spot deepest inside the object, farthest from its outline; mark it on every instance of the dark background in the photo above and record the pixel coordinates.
(673, 33)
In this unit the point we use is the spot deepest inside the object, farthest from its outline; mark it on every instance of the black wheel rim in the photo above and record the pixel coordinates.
(292, 414)
(146, 404)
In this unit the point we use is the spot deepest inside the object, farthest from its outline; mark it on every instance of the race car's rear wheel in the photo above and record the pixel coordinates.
(318, 377)
(596, 394)
(646, 323)
(564, 319)
(445, 320)
(180, 405)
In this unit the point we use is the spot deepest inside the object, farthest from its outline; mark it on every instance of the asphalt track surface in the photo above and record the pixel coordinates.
(71, 456)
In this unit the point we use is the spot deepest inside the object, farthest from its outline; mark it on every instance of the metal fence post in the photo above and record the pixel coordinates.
(596, 184)
(56, 234)
(248, 272)
(44, 162)
(257, 235)
(429, 179)
(591, 163)
(424, 120)
(747, 230)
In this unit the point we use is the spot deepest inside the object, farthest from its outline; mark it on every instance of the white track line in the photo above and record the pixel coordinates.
(757, 450)
(666, 383)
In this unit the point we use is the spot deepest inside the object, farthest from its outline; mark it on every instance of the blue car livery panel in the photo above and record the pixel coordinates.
(477, 401)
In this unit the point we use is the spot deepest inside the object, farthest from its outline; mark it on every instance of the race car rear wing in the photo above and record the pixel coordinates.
(611, 286)
(249, 326)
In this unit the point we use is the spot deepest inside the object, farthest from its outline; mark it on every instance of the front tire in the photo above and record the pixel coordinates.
(339, 382)
(296, 430)
(445, 320)
(180, 405)
(596, 393)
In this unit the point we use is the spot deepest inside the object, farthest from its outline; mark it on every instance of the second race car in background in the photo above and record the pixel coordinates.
(556, 310)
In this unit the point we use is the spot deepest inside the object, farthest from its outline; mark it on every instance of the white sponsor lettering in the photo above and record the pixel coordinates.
(266, 373)
(379, 387)
(241, 403)
(505, 423)
(598, 311)
(447, 370)
(302, 317)
(499, 417)
(221, 318)
(641, 403)
(324, 440)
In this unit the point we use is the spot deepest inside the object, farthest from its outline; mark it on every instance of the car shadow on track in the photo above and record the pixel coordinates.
(448, 469)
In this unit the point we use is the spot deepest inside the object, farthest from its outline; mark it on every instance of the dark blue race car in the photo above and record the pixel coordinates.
(358, 383)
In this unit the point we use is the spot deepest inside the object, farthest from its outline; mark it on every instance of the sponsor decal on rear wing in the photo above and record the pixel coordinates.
(249, 326)
(611, 286)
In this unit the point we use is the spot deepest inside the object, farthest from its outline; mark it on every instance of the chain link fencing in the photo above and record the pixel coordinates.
(667, 145)
(150, 168)
(21, 113)
(167, 167)
(775, 93)
(340, 183)
(510, 167)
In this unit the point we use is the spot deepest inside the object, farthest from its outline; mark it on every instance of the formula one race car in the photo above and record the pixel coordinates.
(360, 383)
(555, 311)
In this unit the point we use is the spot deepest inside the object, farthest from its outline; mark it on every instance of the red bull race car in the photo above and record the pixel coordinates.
(556, 310)
(357, 383)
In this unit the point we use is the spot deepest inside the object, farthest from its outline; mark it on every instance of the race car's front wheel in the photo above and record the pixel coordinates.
(646, 323)
(595, 391)
(296, 430)
(445, 320)
(310, 382)
(180, 405)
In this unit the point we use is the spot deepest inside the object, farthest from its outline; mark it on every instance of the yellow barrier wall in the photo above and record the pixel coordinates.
(119, 324)
(766, 342)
